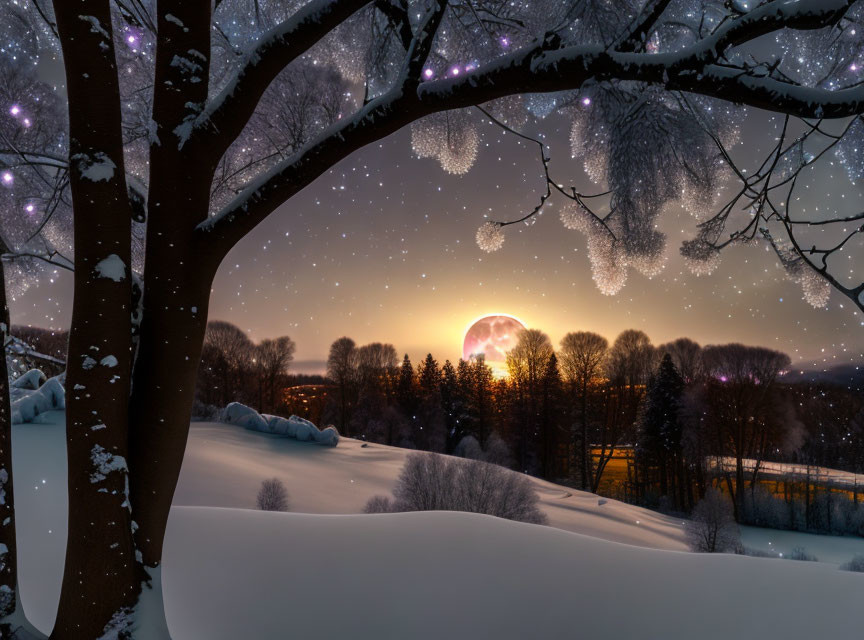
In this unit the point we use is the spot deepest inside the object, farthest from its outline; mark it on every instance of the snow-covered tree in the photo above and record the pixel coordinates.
(191, 122)
(711, 528)
(272, 496)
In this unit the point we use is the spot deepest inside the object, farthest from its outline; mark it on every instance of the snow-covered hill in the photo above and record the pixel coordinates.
(225, 465)
(232, 573)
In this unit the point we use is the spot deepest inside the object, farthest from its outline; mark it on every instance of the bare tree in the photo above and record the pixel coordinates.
(627, 367)
(712, 527)
(582, 355)
(432, 482)
(526, 365)
(272, 360)
(686, 356)
(272, 496)
(739, 408)
(342, 371)
(227, 357)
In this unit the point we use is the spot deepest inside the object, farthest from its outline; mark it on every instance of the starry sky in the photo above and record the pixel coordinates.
(382, 248)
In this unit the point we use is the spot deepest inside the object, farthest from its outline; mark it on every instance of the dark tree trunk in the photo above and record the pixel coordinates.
(178, 272)
(8, 559)
(169, 351)
(101, 581)
(583, 415)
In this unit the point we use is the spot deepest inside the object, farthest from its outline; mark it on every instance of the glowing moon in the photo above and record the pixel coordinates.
(492, 336)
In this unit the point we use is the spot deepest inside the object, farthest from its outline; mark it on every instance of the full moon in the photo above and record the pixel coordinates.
(492, 336)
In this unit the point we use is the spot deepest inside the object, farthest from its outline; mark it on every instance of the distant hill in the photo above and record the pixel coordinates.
(846, 375)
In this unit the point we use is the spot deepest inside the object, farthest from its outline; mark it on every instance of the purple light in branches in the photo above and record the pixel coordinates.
(29, 208)
(14, 110)
(586, 101)
(27, 122)
(428, 73)
(133, 37)
(505, 42)
(8, 178)
(724, 379)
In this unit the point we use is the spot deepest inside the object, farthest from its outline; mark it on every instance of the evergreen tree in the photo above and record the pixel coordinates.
(550, 418)
(431, 428)
(406, 392)
(452, 404)
(428, 375)
(659, 442)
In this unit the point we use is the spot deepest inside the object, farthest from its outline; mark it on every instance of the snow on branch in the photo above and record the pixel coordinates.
(228, 113)
(545, 66)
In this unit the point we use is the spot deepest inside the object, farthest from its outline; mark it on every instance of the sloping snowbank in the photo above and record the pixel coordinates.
(452, 575)
(224, 467)
(293, 427)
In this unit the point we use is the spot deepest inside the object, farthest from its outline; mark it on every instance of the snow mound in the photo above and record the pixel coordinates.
(293, 427)
(28, 402)
(31, 380)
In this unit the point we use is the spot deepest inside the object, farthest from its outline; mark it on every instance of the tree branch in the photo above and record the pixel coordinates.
(223, 120)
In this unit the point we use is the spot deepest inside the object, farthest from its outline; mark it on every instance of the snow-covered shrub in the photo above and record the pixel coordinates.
(272, 496)
(800, 553)
(205, 412)
(27, 403)
(468, 447)
(855, 564)
(495, 452)
(432, 482)
(31, 380)
(293, 427)
(762, 509)
(243, 416)
(380, 504)
(712, 527)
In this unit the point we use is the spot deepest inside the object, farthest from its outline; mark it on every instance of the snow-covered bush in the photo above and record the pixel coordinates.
(800, 553)
(712, 527)
(432, 482)
(380, 504)
(293, 427)
(31, 380)
(495, 452)
(855, 564)
(202, 412)
(29, 399)
(762, 509)
(272, 496)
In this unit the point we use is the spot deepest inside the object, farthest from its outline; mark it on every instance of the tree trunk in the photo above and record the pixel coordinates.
(171, 341)
(101, 580)
(584, 433)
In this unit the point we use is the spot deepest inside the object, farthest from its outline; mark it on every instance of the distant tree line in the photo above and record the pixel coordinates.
(674, 412)
(682, 418)
(233, 368)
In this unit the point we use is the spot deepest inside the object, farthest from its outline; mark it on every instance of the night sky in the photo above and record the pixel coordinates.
(382, 248)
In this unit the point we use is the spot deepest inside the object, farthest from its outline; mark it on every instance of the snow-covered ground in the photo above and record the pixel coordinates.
(224, 467)
(232, 573)
(831, 549)
(824, 475)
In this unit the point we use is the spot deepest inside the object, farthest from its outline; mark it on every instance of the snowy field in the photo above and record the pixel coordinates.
(236, 573)
(225, 465)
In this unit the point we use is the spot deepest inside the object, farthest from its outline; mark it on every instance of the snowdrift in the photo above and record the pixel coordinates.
(293, 427)
(32, 395)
